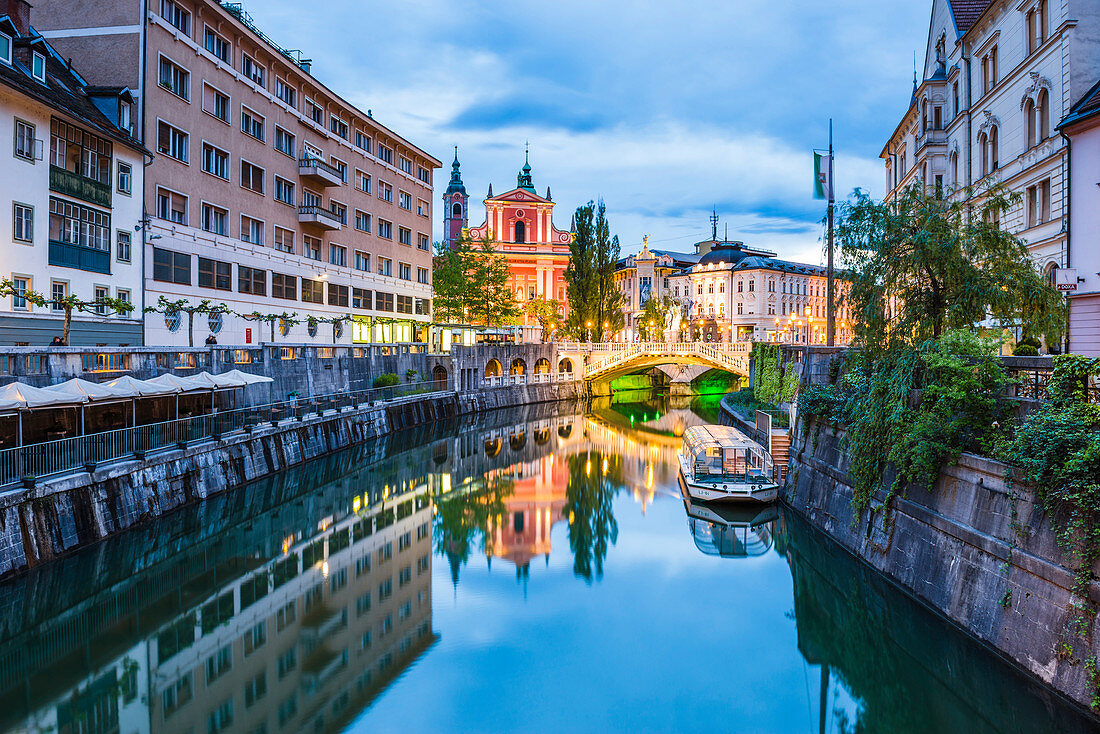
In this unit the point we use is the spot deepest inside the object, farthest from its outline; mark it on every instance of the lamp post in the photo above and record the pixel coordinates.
(588, 327)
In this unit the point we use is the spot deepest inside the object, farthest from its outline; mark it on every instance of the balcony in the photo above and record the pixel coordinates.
(931, 136)
(319, 217)
(77, 186)
(318, 172)
(66, 255)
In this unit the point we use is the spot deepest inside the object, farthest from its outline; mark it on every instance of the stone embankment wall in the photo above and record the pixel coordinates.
(976, 548)
(74, 510)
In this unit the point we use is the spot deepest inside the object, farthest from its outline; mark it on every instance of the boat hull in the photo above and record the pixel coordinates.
(726, 491)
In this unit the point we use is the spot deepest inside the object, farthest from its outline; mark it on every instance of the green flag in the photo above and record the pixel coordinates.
(823, 176)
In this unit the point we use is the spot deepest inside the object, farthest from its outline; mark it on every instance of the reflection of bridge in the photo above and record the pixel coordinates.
(604, 362)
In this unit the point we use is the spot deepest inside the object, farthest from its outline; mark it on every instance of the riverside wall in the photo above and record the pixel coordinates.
(976, 548)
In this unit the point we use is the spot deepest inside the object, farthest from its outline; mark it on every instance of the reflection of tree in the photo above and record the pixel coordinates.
(463, 516)
(593, 484)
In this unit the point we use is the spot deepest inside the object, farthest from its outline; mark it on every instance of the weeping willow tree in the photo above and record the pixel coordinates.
(921, 266)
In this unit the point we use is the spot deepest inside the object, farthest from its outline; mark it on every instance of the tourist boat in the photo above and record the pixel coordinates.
(721, 463)
(731, 531)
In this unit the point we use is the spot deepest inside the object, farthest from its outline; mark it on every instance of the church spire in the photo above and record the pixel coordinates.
(523, 180)
(456, 186)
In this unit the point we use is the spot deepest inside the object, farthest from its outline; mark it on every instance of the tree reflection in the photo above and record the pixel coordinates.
(461, 518)
(594, 480)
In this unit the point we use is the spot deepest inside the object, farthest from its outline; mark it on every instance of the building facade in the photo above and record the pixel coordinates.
(72, 186)
(643, 276)
(1082, 281)
(520, 224)
(269, 192)
(735, 293)
(997, 78)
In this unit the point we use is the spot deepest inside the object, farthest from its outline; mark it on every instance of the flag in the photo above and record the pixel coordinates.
(823, 176)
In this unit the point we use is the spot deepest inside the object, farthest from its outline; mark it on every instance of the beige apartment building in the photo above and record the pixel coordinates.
(269, 192)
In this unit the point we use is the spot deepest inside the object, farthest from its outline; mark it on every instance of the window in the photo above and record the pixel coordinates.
(752, 286)
(284, 286)
(24, 140)
(404, 200)
(20, 286)
(215, 219)
(339, 210)
(284, 142)
(315, 112)
(424, 175)
(215, 274)
(255, 689)
(252, 230)
(5, 48)
(284, 191)
(125, 178)
(422, 275)
(385, 229)
(405, 165)
(284, 240)
(360, 298)
(310, 198)
(362, 141)
(993, 67)
(176, 16)
(423, 243)
(362, 260)
(313, 291)
(312, 247)
(385, 266)
(338, 255)
(23, 223)
(404, 304)
(385, 154)
(341, 167)
(362, 221)
(286, 93)
(177, 695)
(422, 207)
(362, 181)
(215, 161)
(59, 291)
(123, 246)
(383, 301)
(78, 225)
(172, 142)
(385, 191)
(215, 44)
(171, 267)
(337, 295)
(175, 78)
(404, 271)
(252, 177)
(252, 123)
(251, 280)
(38, 66)
(1038, 203)
(404, 236)
(221, 718)
(215, 103)
(338, 126)
(79, 152)
(252, 70)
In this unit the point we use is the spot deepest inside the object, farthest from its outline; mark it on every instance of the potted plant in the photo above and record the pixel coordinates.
(139, 454)
(89, 466)
(29, 481)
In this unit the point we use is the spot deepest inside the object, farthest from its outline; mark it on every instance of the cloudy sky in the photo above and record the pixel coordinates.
(662, 109)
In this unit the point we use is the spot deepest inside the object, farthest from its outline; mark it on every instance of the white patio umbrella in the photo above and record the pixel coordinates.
(143, 389)
(244, 377)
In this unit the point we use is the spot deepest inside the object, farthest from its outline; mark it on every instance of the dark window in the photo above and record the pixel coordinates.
(337, 295)
(313, 291)
(521, 232)
(251, 280)
(284, 286)
(215, 274)
(383, 301)
(361, 298)
(404, 304)
(171, 267)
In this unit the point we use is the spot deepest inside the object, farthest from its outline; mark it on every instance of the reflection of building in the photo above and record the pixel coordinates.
(531, 511)
(521, 226)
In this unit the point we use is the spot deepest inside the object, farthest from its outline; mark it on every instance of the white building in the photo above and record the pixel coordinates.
(71, 186)
(997, 78)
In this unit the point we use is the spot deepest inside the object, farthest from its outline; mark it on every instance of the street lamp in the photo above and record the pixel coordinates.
(588, 326)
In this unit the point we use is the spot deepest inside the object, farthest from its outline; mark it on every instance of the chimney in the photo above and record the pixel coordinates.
(20, 13)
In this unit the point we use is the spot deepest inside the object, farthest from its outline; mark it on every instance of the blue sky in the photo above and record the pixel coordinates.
(663, 109)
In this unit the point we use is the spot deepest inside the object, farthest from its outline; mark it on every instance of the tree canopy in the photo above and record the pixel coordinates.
(921, 265)
(470, 284)
(594, 298)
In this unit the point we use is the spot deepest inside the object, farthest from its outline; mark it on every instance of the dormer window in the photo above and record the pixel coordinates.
(124, 122)
(38, 66)
(5, 48)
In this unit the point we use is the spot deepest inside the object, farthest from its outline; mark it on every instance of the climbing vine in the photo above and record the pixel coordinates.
(772, 383)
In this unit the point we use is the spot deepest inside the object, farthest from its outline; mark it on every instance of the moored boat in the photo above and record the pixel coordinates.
(722, 463)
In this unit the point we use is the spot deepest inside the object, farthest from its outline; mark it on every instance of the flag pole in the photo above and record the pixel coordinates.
(830, 322)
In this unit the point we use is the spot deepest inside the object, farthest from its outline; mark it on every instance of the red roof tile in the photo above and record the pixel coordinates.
(967, 12)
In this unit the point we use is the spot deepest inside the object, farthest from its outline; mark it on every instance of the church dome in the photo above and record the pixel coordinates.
(724, 252)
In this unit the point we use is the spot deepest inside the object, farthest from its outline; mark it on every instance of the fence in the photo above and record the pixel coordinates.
(69, 454)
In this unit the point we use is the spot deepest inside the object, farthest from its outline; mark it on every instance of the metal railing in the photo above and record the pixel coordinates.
(70, 454)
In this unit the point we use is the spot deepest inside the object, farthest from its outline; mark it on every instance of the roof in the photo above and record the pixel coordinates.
(1085, 108)
(967, 12)
(724, 436)
(64, 90)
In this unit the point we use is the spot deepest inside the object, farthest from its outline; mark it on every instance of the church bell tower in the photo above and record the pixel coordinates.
(455, 206)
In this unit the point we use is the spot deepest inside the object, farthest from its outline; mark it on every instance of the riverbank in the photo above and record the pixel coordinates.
(976, 549)
(74, 510)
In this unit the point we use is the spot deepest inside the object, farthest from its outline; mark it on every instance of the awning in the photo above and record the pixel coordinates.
(17, 396)
(179, 384)
(93, 392)
(244, 377)
(141, 388)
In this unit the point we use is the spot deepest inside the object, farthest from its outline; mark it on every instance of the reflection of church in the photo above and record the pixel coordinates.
(520, 224)
(531, 511)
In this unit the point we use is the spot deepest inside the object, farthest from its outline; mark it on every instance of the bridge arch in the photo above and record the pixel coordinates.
(519, 367)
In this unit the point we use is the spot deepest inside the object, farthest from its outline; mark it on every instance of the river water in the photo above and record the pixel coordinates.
(527, 570)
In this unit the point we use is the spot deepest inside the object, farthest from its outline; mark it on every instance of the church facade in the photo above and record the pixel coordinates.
(520, 224)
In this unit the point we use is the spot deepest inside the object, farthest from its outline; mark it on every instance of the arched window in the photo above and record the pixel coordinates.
(924, 116)
(1041, 10)
(1042, 115)
(521, 232)
(1032, 32)
(983, 151)
(994, 156)
(456, 210)
(519, 367)
(954, 168)
(1029, 117)
(493, 368)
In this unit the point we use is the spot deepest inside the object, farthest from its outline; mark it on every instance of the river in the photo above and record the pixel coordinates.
(525, 570)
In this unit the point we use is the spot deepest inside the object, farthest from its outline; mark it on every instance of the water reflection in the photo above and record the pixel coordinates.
(312, 602)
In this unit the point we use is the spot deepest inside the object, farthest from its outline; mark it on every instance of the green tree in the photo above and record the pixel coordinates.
(588, 508)
(452, 281)
(205, 306)
(68, 304)
(659, 311)
(547, 312)
(493, 302)
(580, 275)
(609, 299)
(463, 518)
(921, 265)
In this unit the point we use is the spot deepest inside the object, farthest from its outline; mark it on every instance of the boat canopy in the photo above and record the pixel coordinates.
(723, 453)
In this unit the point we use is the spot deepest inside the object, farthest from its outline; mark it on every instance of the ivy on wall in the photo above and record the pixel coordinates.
(771, 382)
